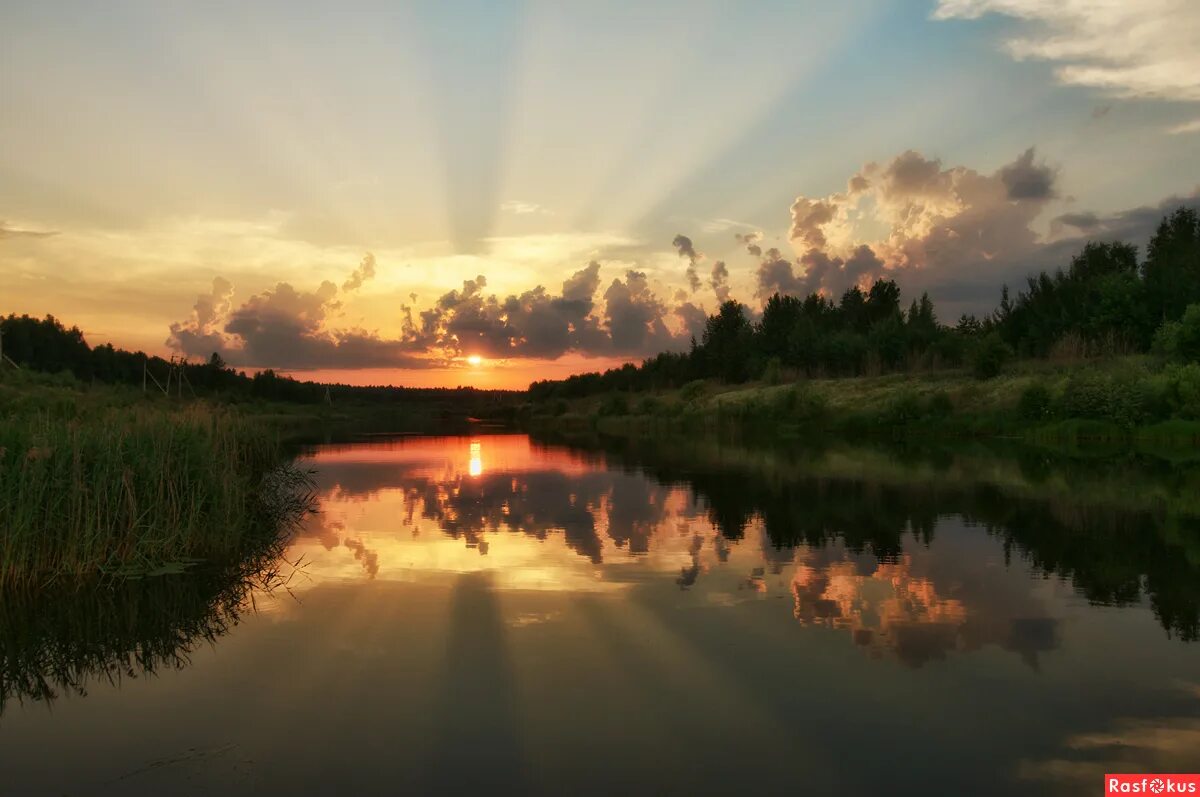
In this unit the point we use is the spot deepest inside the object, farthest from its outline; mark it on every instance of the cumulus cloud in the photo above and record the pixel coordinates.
(951, 230)
(628, 319)
(683, 245)
(1025, 179)
(950, 222)
(364, 272)
(287, 328)
(200, 334)
(1147, 49)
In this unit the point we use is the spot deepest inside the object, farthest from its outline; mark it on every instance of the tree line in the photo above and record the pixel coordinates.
(1104, 303)
(46, 344)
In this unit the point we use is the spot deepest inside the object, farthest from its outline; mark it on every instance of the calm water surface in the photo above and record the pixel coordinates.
(488, 613)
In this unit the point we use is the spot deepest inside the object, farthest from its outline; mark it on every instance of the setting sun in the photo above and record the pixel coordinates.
(474, 360)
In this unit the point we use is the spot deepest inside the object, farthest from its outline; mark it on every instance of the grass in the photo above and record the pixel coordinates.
(102, 481)
(1116, 399)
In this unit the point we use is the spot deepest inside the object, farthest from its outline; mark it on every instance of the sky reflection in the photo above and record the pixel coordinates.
(550, 519)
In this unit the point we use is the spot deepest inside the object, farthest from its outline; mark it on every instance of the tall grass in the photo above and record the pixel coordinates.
(132, 490)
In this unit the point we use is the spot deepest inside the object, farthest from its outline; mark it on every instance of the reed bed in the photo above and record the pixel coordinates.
(136, 490)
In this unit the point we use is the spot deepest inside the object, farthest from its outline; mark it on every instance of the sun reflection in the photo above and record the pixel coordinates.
(475, 467)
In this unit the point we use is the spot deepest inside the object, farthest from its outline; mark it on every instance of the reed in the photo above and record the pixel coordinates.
(136, 490)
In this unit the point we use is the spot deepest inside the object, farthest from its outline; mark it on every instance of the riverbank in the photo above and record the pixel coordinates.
(1122, 400)
(104, 481)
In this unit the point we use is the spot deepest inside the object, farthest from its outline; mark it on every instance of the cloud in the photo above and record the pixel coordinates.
(520, 208)
(1085, 222)
(633, 316)
(1026, 180)
(750, 240)
(1186, 127)
(364, 272)
(284, 328)
(1147, 49)
(629, 319)
(950, 230)
(13, 232)
(808, 218)
(719, 280)
(683, 245)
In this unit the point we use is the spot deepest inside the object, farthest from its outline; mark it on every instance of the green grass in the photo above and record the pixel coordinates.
(104, 481)
(1116, 399)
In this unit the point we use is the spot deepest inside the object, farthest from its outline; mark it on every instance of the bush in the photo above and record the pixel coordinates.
(940, 405)
(692, 390)
(650, 405)
(990, 356)
(800, 404)
(616, 404)
(1179, 388)
(1036, 403)
(773, 372)
(1123, 401)
(1180, 340)
(904, 409)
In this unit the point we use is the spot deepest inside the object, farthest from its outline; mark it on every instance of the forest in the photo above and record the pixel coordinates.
(1104, 303)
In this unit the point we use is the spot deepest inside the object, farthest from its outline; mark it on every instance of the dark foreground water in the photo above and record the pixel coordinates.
(495, 616)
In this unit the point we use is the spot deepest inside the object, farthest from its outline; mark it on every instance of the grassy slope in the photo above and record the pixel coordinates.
(948, 403)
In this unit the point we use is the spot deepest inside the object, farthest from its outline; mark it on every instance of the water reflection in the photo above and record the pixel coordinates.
(919, 570)
(653, 616)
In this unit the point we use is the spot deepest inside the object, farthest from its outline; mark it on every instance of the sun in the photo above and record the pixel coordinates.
(474, 360)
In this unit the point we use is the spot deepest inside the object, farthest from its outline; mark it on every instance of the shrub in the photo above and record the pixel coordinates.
(1122, 400)
(904, 408)
(990, 356)
(940, 405)
(1036, 403)
(773, 372)
(650, 405)
(616, 404)
(1180, 340)
(692, 390)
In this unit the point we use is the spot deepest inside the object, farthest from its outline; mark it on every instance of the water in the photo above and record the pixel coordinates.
(660, 618)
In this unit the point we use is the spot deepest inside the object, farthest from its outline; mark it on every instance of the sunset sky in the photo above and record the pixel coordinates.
(376, 193)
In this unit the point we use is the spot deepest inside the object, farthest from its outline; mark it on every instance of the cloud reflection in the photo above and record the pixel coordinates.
(549, 519)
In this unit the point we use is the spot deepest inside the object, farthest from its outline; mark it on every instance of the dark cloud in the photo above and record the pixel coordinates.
(750, 240)
(286, 328)
(683, 245)
(1081, 221)
(819, 272)
(776, 275)
(693, 319)
(1025, 179)
(633, 316)
(364, 272)
(719, 280)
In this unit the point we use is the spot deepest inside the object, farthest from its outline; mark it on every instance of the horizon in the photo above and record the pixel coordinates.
(487, 195)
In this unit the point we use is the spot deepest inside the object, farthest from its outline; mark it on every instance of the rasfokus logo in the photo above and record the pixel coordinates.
(1152, 784)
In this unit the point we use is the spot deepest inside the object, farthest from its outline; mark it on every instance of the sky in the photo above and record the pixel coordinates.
(488, 193)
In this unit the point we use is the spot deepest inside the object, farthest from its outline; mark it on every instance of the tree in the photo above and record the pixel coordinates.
(726, 342)
(1172, 267)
